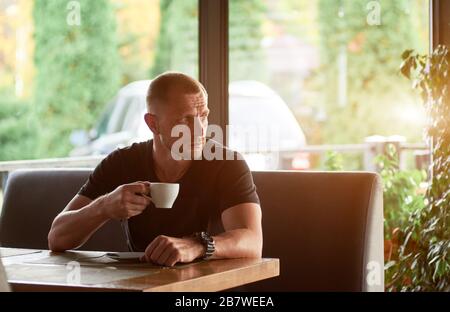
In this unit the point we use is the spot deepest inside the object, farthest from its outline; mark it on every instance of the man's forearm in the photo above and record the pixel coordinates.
(239, 243)
(72, 228)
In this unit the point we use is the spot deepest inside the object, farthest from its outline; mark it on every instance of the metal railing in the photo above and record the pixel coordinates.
(67, 162)
(370, 149)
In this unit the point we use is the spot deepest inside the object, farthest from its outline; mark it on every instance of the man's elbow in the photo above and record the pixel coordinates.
(256, 251)
(54, 243)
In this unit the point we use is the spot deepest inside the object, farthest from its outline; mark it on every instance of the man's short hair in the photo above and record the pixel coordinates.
(167, 82)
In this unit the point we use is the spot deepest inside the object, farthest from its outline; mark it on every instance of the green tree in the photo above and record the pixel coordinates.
(424, 254)
(177, 44)
(77, 68)
(367, 57)
(18, 136)
(245, 35)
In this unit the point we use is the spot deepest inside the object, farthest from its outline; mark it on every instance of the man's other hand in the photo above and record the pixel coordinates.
(165, 250)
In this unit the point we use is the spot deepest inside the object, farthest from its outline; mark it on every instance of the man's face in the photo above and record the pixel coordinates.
(188, 111)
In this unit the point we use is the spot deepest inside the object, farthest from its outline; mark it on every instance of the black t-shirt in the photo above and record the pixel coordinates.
(207, 189)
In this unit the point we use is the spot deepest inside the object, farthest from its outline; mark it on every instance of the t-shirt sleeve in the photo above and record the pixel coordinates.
(236, 184)
(105, 177)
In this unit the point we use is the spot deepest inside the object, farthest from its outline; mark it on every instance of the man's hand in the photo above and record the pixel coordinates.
(165, 250)
(127, 200)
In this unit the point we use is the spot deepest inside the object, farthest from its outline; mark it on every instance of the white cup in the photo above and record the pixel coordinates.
(164, 194)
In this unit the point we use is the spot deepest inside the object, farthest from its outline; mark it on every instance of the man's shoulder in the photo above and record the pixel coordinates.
(134, 148)
(132, 151)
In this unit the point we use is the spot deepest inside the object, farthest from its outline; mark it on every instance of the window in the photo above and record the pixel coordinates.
(71, 65)
(333, 66)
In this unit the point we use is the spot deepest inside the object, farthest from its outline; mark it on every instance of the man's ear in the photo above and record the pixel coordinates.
(152, 123)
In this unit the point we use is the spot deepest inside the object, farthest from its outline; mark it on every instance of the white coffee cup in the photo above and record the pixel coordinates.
(164, 194)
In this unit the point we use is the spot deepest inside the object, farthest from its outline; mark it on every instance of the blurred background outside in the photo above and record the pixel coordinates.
(325, 73)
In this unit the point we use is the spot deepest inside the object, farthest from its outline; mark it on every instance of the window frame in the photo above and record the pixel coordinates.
(213, 59)
(439, 23)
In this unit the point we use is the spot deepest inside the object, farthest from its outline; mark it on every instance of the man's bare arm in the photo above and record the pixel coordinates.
(243, 236)
(242, 239)
(76, 223)
(82, 216)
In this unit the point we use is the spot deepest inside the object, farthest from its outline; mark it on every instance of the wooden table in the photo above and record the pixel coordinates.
(41, 270)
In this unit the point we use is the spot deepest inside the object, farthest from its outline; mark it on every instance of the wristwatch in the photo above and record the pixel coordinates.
(208, 242)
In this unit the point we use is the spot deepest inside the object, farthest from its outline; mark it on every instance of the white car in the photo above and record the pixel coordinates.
(262, 127)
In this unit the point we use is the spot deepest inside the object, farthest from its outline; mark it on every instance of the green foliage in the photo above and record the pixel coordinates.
(366, 58)
(401, 191)
(333, 161)
(177, 44)
(77, 69)
(246, 56)
(17, 130)
(424, 255)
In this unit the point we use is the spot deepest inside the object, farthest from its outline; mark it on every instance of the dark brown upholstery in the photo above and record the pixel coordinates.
(326, 228)
(32, 200)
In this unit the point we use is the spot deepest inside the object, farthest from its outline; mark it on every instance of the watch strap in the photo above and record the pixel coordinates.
(208, 242)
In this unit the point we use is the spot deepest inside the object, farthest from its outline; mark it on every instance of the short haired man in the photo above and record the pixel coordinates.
(217, 189)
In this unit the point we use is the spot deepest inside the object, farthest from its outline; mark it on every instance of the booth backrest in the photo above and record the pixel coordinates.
(33, 198)
(325, 227)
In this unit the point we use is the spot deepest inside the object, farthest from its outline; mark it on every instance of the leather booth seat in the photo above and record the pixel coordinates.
(325, 227)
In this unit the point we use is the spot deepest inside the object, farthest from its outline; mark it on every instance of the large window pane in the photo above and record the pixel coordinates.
(331, 71)
(73, 74)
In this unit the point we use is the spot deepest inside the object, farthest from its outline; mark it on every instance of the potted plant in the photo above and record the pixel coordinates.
(423, 262)
(401, 196)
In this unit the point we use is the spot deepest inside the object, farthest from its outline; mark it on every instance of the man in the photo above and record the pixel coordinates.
(217, 189)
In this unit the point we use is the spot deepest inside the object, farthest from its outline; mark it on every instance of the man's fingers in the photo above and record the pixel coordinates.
(173, 258)
(146, 185)
(157, 252)
(134, 207)
(140, 200)
(150, 247)
(139, 187)
(164, 255)
(164, 258)
(148, 199)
